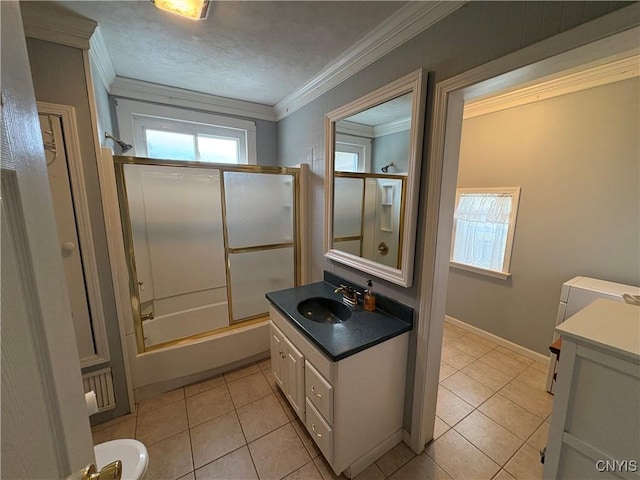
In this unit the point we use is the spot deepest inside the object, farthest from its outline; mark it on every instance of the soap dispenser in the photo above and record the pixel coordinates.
(369, 301)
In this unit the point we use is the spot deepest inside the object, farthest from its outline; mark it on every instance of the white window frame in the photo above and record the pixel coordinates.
(359, 145)
(505, 273)
(134, 117)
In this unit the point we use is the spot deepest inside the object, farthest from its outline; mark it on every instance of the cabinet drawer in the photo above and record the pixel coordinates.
(319, 392)
(320, 431)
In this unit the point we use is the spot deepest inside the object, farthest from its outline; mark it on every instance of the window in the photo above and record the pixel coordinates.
(173, 133)
(353, 154)
(483, 228)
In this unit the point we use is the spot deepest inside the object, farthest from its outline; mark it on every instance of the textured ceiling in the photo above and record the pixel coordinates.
(393, 110)
(258, 51)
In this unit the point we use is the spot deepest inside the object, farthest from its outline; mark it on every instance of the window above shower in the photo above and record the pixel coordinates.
(353, 154)
(177, 134)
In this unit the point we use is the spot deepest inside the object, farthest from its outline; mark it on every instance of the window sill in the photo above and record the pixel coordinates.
(481, 271)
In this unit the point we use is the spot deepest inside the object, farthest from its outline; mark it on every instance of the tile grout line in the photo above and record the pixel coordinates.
(264, 372)
(193, 459)
(521, 442)
(246, 443)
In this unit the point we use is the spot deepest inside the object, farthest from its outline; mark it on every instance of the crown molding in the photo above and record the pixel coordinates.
(395, 126)
(345, 127)
(403, 25)
(99, 54)
(153, 92)
(45, 22)
(593, 77)
(350, 128)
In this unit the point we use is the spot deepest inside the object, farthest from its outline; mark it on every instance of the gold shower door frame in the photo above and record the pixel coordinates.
(134, 288)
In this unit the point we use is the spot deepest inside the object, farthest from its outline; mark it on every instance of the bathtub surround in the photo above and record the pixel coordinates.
(193, 235)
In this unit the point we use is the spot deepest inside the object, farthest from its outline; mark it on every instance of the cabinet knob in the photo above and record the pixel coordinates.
(68, 248)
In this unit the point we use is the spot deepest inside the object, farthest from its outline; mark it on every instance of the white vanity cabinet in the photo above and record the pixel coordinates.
(595, 425)
(288, 369)
(353, 408)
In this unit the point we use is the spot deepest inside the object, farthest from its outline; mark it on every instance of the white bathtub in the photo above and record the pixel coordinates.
(185, 323)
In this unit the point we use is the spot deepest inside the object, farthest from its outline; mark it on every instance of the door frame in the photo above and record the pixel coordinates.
(612, 37)
(51, 377)
(67, 115)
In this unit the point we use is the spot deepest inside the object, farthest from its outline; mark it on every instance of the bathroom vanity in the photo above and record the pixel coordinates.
(596, 408)
(345, 380)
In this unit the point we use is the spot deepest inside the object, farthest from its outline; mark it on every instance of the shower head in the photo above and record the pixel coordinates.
(124, 147)
(385, 169)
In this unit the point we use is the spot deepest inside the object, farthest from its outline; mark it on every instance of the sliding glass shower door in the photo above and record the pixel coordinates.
(260, 226)
(204, 243)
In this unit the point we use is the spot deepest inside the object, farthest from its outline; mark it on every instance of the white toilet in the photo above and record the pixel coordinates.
(132, 453)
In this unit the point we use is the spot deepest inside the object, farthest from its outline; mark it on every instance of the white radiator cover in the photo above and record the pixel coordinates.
(101, 382)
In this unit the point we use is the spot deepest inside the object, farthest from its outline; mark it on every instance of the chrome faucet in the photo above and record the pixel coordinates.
(349, 295)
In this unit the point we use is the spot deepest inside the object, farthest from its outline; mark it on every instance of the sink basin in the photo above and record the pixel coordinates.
(324, 310)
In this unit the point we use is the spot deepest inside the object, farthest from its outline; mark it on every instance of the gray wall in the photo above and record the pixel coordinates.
(577, 161)
(473, 35)
(391, 148)
(103, 107)
(59, 77)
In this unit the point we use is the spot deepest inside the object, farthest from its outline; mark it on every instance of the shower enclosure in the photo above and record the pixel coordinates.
(204, 243)
(367, 215)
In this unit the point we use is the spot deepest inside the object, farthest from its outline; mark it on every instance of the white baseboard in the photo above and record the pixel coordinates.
(538, 357)
(372, 455)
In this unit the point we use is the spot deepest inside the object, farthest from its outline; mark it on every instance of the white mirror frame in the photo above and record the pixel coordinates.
(412, 83)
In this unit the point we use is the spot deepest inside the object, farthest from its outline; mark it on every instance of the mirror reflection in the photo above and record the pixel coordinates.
(371, 161)
(374, 152)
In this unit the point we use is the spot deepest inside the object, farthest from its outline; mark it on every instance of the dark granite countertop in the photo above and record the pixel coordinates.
(363, 330)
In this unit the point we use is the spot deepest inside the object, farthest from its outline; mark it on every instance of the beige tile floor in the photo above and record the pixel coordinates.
(492, 419)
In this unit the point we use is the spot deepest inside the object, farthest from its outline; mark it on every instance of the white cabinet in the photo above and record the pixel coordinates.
(277, 355)
(319, 391)
(576, 294)
(352, 408)
(288, 368)
(595, 424)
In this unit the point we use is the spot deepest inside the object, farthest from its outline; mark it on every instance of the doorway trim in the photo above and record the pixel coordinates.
(608, 38)
(67, 115)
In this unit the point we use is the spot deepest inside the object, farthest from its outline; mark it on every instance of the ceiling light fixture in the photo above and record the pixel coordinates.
(194, 9)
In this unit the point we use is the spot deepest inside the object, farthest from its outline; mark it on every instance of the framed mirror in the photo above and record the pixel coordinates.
(374, 152)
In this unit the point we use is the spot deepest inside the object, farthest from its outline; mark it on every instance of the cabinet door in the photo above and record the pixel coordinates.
(295, 378)
(278, 356)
